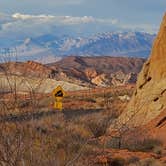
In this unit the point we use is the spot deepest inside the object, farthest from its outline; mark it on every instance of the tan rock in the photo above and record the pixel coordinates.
(149, 99)
(90, 73)
(118, 78)
(100, 80)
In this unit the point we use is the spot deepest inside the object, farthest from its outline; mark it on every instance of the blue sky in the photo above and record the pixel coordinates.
(103, 15)
(132, 11)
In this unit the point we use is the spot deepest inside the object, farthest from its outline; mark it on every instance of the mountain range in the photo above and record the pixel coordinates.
(45, 48)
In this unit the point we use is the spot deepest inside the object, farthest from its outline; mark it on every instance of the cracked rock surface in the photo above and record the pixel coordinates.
(149, 99)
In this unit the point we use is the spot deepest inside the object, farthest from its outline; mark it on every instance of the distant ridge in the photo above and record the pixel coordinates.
(129, 44)
(84, 71)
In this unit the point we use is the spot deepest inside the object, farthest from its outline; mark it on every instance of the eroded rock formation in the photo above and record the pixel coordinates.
(149, 99)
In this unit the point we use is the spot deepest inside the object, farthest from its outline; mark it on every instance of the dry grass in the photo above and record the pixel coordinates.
(49, 137)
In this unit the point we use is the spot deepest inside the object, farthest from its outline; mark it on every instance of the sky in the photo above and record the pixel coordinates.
(42, 16)
(131, 11)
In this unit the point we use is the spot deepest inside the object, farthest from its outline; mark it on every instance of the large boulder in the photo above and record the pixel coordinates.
(149, 98)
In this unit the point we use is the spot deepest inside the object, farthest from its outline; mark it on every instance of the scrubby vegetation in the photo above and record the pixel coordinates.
(32, 133)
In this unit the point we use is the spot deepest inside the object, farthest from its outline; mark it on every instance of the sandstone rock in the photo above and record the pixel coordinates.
(100, 80)
(149, 99)
(124, 98)
(90, 73)
(132, 78)
(157, 127)
(116, 70)
(84, 71)
(29, 68)
(118, 78)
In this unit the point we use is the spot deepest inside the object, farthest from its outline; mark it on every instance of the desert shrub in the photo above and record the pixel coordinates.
(41, 130)
(98, 128)
(23, 104)
(158, 150)
(150, 144)
(145, 145)
(78, 131)
(118, 161)
(113, 143)
(73, 141)
(150, 162)
(89, 100)
(133, 160)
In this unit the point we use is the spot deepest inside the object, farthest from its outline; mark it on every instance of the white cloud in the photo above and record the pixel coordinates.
(34, 25)
(64, 19)
(78, 20)
(108, 21)
(141, 27)
(58, 19)
(27, 16)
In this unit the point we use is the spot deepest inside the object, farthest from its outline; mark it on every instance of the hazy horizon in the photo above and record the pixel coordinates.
(60, 27)
(82, 17)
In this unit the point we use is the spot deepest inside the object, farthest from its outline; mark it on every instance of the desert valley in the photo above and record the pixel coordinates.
(112, 94)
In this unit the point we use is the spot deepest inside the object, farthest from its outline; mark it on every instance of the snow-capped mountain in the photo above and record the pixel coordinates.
(107, 44)
(126, 43)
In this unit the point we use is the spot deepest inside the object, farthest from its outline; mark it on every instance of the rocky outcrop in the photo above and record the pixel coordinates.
(29, 69)
(100, 71)
(149, 99)
(157, 127)
(101, 80)
(120, 78)
(90, 73)
(85, 71)
(37, 85)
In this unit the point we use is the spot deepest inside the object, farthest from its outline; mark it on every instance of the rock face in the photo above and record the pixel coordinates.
(101, 80)
(29, 68)
(83, 71)
(157, 127)
(149, 99)
(99, 71)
